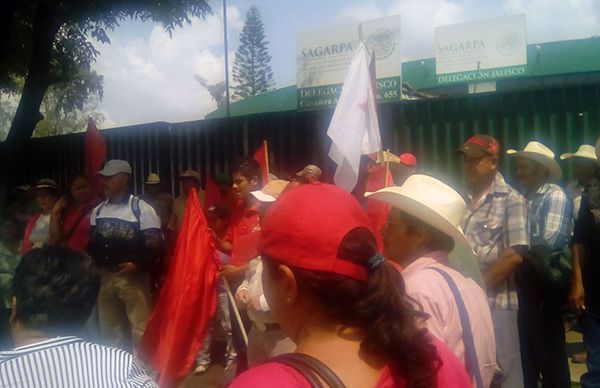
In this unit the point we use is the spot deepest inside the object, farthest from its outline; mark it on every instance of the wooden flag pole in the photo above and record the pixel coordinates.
(267, 160)
(387, 170)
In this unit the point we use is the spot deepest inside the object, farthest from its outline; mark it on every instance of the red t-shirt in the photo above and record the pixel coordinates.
(77, 223)
(272, 374)
(243, 233)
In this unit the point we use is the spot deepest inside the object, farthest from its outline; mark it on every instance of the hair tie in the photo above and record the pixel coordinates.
(375, 262)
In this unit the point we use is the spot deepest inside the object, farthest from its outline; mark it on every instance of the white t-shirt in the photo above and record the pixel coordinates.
(40, 234)
(123, 211)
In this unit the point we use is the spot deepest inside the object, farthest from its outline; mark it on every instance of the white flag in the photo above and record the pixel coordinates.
(354, 129)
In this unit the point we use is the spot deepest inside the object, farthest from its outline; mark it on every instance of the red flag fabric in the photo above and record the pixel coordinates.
(262, 157)
(378, 211)
(245, 248)
(212, 194)
(187, 302)
(95, 153)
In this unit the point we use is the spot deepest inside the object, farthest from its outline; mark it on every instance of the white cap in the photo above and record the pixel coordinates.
(271, 191)
(114, 167)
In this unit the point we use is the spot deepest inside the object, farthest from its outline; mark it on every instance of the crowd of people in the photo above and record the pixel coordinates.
(333, 294)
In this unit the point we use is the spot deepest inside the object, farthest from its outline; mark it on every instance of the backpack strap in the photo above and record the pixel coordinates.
(471, 362)
(135, 208)
(313, 367)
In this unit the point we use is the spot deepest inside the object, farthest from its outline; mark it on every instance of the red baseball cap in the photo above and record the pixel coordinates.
(305, 227)
(408, 159)
(480, 145)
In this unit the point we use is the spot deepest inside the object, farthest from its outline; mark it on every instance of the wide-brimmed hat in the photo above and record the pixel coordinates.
(271, 191)
(47, 184)
(431, 201)
(584, 151)
(153, 179)
(541, 154)
(190, 174)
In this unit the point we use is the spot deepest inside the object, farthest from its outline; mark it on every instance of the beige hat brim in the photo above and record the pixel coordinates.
(262, 197)
(549, 163)
(570, 155)
(420, 211)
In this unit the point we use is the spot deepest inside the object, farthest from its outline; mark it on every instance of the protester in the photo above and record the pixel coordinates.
(125, 240)
(544, 277)
(24, 207)
(217, 217)
(422, 229)
(188, 179)
(584, 296)
(405, 168)
(340, 302)
(266, 338)
(497, 227)
(161, 201)
(70, 216)
(585, 166)
(163, 205)
(55, 289)
(37, 231)
(10, 255)
(246, 178)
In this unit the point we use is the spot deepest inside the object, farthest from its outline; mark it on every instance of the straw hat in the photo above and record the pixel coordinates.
(153, 179)
(431, 201)
(541, 154)
(584, 151)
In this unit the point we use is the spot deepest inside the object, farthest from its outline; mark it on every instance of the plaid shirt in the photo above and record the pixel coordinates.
(498, 223)
(550, 213)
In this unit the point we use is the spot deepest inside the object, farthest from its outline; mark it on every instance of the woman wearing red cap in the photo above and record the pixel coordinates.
(341, 302)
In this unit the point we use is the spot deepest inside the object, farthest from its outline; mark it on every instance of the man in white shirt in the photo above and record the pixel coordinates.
(55, 289)
(125, 240)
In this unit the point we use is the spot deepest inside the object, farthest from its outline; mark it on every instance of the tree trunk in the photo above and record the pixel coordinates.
(47, 21)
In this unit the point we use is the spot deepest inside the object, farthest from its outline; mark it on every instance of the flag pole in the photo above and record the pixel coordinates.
(267, 160)
(236, 312)
(226, 57)
(387, 170)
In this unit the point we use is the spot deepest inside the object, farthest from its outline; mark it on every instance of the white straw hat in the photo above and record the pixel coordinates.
(585, 151)
(538, 152)
(430, 200)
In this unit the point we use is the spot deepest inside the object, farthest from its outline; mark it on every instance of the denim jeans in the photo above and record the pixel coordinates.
(221, 318)
(590, 323)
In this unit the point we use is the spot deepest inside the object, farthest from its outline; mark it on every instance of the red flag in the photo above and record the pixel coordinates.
(95, 153)
(245, 248)
(187, 302)
(262, 157)
(378, 211)
(212, 194)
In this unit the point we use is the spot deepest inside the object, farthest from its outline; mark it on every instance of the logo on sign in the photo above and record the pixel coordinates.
(509, 43)
(382, 42)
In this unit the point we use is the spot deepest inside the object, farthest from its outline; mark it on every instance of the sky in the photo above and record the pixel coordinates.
(149, 76)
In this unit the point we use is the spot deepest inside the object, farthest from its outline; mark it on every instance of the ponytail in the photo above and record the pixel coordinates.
(380, 308)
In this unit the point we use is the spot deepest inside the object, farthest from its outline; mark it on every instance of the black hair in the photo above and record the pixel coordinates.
(248, 168)
(56, 289)
(13, 220)
(379, 307)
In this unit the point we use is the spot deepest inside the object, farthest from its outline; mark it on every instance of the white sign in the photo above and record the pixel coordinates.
(323, 57)
(483, 45)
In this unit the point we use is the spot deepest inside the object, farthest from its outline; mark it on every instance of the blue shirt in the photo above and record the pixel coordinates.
(550, 215)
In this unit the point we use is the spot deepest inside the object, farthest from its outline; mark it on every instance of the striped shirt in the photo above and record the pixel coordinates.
(498, 222)
(71, 362)
(551, 213)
